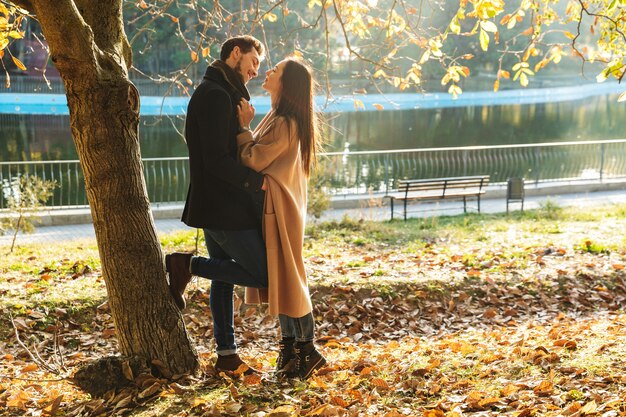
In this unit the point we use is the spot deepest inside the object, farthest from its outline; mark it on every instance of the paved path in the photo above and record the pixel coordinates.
(51, 234)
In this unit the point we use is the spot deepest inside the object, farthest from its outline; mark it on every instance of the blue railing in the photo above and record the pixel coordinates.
(348, 173)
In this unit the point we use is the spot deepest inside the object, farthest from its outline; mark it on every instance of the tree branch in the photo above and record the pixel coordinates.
(613, 21)
(24, 4)
(69, 37)
(107, 24)
(347, 40)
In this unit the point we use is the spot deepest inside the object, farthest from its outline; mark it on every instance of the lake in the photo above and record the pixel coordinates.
(407, 121)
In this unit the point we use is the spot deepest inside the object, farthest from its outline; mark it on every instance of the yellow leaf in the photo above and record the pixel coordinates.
(29, 368)
(523, 79)
(319, 410)
(570, 35)
(270, 17)
(358, 104)
(488, 26)
(194, 56)
(206, 51)
(18, 400)
(54, 406)
(142, 4)
(379, 106)
(174, 19)
(455, 27)
(496, 86)
(15, 34)
(197, 402)
(541, 64)
(380, 73)
(509, 389)
(433, 413)
(252, 379)
(589, 408)
(545, 388)
(379, 383)
(339, 401)
(19, 64)
(4, 10)
(484, 39)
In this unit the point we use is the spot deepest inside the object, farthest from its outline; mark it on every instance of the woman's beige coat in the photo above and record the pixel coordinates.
(274, 150)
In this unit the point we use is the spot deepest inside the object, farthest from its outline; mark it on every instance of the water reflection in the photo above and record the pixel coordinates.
(30, 137)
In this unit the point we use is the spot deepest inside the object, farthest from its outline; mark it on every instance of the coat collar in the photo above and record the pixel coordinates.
(217, 74)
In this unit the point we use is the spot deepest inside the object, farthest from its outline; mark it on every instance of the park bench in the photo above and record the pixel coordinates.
(458, 188)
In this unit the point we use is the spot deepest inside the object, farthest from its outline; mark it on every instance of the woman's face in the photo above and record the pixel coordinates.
(272, 83)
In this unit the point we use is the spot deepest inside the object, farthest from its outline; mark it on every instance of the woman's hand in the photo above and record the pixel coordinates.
(245, 112)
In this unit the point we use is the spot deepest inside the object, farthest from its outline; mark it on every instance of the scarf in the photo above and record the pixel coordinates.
(232, 77)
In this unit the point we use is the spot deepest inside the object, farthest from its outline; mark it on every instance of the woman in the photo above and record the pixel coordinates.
(283, 147)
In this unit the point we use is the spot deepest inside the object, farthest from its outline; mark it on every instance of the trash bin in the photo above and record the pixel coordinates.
(514, 192)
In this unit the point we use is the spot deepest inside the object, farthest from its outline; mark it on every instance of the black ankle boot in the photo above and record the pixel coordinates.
(308, 359)
(286, 362)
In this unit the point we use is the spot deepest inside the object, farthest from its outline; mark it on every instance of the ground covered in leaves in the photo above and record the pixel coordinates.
(478, 315)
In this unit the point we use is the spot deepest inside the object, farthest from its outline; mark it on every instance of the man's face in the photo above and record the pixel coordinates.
(248, 65)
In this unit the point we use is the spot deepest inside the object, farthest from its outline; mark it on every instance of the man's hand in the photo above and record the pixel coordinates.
(245, 113)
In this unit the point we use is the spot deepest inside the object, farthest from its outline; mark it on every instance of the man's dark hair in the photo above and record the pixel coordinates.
(245, 43)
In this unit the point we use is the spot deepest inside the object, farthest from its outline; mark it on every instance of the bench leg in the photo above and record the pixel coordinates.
(464, 205)
(405, 201)
(391, 208)
(479, 203)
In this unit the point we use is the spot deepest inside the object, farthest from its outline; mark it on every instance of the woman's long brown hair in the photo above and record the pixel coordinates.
(296, 102)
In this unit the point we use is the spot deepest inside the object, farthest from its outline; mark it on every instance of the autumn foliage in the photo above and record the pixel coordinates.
(472, 315)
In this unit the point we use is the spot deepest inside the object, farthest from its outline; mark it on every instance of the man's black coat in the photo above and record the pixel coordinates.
(223, 194)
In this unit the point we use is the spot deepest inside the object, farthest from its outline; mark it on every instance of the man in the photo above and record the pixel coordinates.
(224, 197)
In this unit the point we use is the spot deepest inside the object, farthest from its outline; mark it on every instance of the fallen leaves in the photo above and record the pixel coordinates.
(449, 327)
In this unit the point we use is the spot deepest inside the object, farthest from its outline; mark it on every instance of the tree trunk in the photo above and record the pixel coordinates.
(90, 50)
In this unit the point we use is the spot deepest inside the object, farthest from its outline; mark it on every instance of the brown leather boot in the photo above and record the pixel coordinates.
(177, 265)
(232, 363)
(308, 359)
(286, 362)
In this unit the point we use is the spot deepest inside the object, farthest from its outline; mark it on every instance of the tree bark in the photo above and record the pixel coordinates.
(90, 49)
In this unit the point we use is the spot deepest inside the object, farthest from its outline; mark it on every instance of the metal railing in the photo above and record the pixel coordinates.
(359, 172)
(345, 173)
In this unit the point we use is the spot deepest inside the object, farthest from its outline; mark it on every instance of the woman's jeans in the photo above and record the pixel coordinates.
(237, 257)
(302, 329)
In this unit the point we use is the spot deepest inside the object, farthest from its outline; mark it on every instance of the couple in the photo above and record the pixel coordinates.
(248, 193)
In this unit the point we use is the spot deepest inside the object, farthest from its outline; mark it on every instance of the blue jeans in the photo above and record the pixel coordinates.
(302, 329)
(237, 257)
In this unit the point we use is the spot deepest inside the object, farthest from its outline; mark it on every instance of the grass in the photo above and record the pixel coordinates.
(484, 314)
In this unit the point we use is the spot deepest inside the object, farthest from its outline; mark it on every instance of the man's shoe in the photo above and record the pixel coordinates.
(177, 265)
(308, 360)
(286, 362)
(233, 363)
